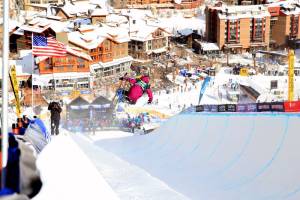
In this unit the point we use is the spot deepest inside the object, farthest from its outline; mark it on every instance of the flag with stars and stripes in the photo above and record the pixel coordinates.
(42, 46)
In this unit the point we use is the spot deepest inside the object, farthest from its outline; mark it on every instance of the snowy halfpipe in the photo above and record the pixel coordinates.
(220, 156)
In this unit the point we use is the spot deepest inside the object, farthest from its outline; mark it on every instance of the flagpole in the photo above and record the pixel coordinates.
(5, 66)
(32, 67)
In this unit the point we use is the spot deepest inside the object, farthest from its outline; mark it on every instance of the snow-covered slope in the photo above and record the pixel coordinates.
(67, 173)
(220, 156)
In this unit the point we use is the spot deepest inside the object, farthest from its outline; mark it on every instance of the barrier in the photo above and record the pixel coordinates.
(292, 106)
(227, 108)
(277, 107)
(263, 107)
(251, 107)
(199, 108)
(210, 108)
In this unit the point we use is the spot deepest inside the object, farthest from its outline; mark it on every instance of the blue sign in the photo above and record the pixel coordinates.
(203, 88)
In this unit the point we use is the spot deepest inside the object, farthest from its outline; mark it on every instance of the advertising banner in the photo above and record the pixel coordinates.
(15, 87)
(222, 108)
(211, 108)
(263, 107)
(203, 88)
(227, 108)
(251, 107)
(199, 108)
(241, 108)
(291, 75)
(277, 107)
(292, 106)
(246, 107)
(231, 108)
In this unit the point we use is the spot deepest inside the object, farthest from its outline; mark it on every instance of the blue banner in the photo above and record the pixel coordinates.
(203, 88)
(277, 107)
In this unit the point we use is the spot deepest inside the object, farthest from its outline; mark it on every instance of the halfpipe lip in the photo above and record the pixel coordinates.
(242, 114)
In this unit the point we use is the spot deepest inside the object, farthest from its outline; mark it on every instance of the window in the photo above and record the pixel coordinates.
(164, 42)
(257, 28)
(149, 44)
(232, 33)
(294, 26)
(81, 65)
(69, 67)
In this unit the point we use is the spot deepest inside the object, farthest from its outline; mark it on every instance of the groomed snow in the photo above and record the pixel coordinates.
(67, 173)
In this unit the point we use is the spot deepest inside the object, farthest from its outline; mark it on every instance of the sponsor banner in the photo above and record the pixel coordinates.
(199, 108)
(203, 88)
(222, 108)
(231, 107)
(263, 107)
(292, 106)
(291, 74)
(251, 107)
(277, 107)
(211, 108)
(15, 86)
(241, 108)
(227, 108)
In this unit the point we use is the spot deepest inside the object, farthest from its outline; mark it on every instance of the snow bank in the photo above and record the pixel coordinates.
(67, 173)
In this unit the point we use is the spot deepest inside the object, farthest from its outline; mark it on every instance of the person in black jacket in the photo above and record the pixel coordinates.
(55, 110)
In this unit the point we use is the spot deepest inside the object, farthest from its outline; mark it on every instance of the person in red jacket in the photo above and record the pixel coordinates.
(137, 89)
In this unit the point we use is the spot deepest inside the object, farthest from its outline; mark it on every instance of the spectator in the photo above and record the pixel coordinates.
(55, 110)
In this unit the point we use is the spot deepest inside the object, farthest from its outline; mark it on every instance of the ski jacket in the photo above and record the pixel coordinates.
(55, 110)
(138, 88)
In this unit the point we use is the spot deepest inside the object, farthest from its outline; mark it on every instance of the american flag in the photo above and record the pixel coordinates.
(42, 46)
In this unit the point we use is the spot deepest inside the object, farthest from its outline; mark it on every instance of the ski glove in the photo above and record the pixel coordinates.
(121, 78)
(149, 102)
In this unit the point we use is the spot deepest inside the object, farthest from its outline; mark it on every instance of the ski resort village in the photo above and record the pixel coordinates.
(150, 99)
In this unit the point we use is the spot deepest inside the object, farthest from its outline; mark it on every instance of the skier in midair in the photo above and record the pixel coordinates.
(139, 86)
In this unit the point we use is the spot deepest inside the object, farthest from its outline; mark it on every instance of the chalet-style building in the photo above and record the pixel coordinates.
(21, 38)
(69, 72)
(108, 48)
(148, 42)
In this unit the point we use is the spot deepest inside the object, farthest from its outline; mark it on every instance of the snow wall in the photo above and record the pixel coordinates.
(220, 156)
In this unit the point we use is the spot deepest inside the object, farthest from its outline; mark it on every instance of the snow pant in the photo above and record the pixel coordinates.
(54, 126)
(126, 98)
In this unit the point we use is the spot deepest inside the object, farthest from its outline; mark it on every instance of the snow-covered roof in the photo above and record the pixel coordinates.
(117, 34)
(54, 17)
(80, 8)
(206, 46)
(242, 11)
(144, 33)
(114, 18)
(290, 8)
(77, 52)
(99, 12)
(40, 24)
(160, 50)
(185, 32)
(94, 37)
(87, 40)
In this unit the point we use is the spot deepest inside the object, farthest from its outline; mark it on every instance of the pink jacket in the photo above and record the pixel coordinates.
(136, 91)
